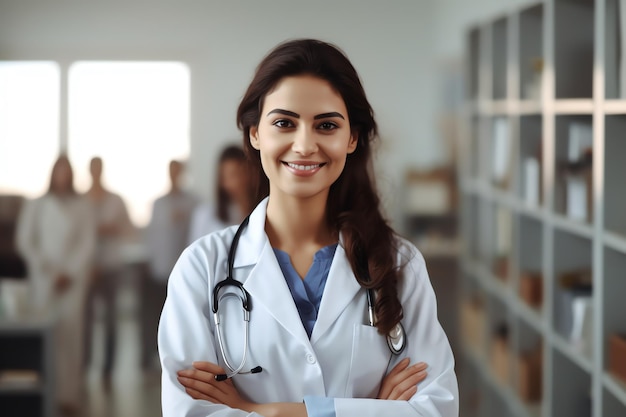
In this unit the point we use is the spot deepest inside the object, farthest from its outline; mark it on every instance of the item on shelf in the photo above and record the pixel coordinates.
(532, 88)
(473, 321)
(19, 378)
(429, 192)
(531, 288)
(501, 267)
(501, 162)
(580, 142)
(530, 368)
(532, 181)
(574, 308)
(500, 353)
(617, 356)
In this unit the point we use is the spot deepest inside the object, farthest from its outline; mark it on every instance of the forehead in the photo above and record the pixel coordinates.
(305, 95)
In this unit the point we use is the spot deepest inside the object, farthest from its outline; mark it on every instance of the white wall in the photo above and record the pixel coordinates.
(389, 42)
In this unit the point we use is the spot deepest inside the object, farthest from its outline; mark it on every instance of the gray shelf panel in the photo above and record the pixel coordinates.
(616, 388)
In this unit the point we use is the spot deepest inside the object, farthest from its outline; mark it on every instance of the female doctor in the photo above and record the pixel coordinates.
(313, 258)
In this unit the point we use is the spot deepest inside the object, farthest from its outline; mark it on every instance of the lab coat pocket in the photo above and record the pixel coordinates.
(370, 358)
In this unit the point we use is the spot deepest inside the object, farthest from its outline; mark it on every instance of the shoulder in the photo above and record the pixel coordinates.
(212, 249)
(412, 266)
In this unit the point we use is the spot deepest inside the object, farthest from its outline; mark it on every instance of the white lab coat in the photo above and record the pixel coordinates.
(345, 358)
(57, 236)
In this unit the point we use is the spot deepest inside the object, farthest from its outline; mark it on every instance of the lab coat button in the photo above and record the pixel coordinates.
(310, 358)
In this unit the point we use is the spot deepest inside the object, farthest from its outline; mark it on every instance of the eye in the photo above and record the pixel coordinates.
(327, 126)
(283, 123)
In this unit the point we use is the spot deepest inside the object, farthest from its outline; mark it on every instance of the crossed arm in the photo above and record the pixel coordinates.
(200, 384)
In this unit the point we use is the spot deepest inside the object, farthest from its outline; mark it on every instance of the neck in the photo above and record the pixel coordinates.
(294, 222)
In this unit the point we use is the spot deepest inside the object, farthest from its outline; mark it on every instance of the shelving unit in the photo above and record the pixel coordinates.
(27, 346)
(534, 76)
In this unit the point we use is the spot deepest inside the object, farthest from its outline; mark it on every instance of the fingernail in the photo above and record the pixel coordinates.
(422, 373)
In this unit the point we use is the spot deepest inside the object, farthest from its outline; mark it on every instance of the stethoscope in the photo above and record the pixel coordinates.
(396, 339)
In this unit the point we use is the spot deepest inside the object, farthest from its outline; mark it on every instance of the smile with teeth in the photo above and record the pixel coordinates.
(304, 167)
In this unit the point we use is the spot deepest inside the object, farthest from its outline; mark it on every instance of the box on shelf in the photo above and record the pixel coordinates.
(502, 153)
(430, 192)
(531, 288)
(529, 375)
(574, 308)
(500, 353)
(617, 356)
(532, 180)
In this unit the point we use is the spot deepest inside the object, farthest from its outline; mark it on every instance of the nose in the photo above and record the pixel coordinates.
(304, 143)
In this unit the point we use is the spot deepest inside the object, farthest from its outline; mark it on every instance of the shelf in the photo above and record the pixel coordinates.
(572, 354)
(503, 390)
(571, 226)
(573, 106)
(615, 107)
(616, 387)
(529, 108)
(615, 242)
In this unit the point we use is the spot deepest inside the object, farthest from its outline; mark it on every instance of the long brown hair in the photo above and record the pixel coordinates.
(353, 206)
(224, 200)
(62, 160)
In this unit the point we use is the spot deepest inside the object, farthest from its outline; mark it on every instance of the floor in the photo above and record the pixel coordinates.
(133, 392)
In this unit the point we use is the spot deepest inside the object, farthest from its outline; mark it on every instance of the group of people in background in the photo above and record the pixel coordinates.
(73, 246)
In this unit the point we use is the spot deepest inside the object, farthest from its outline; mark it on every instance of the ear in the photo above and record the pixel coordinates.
(354, 140)
(254, 137)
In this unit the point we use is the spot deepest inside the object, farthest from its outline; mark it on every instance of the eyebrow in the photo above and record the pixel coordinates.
(297, 116)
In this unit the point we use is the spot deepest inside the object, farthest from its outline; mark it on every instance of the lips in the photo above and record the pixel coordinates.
(303, 168)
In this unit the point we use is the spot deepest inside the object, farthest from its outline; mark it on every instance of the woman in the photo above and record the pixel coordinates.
(56, 237)
(306, 259)
(233, 196)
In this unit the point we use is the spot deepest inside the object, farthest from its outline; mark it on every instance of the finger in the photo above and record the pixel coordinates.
(196, 374)
(407, 383)
(211, 387)
(401, 366)
(208, 367)
(391, 381)
(406, 396)
(197, 395)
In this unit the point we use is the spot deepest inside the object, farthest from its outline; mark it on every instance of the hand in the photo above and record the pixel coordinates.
(401, 382)
(62, 283)
(200, 384)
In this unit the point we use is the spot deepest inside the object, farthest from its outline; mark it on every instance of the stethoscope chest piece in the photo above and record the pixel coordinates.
(396, 339)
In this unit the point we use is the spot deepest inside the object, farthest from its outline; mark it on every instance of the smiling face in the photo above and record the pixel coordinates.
(303, 136)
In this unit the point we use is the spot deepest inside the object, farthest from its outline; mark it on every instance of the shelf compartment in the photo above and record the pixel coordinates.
(474, 148)
(572, 295)
(528, 365)
(530, 258)
(573, 48)
(616, 388)
(573, 194)
(612, 406)
(529, 167)
(499, 59)
(613, 80)
(571, 388)
(501, 242)
(474, 64)
(614, 308)
(22, 405)
(614, 174)
(531, 57)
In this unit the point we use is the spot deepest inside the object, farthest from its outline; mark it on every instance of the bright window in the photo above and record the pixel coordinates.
(135, 115)
(29, 125)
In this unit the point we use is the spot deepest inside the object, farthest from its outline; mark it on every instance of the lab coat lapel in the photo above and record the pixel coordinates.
(267, 286)
(341, 288)
(266, 283)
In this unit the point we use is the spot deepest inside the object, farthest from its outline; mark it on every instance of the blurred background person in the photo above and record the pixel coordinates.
(166, 237)
(56, 237)
(233, 195)
(113, 228)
